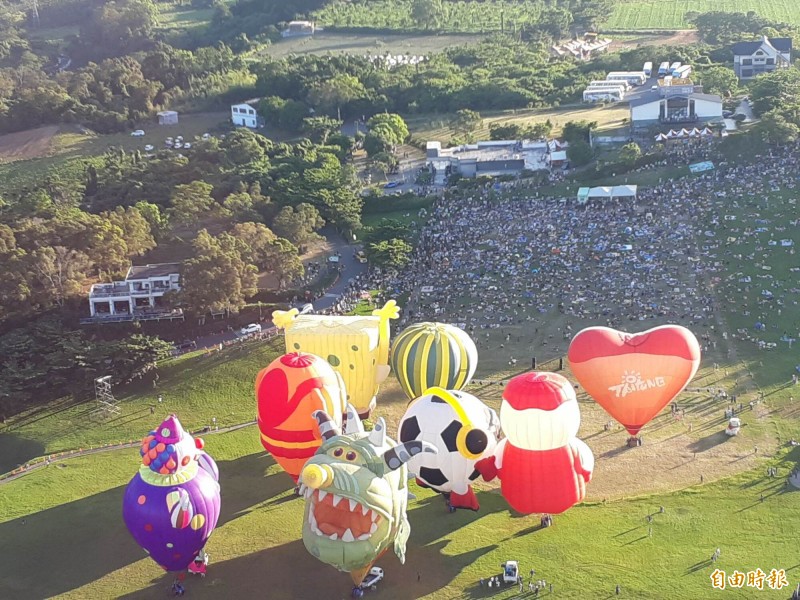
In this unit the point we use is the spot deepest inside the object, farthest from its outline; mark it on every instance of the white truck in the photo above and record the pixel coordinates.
(510, 571)
(370, 582)
(734, 425)
(648, 69)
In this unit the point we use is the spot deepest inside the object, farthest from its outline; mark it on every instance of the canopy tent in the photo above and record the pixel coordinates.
(607, 192)
(583, 195)
(661, 137)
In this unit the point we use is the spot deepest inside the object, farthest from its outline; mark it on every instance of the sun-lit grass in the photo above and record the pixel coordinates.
(670, 14)
(611, 120)
(72, 524)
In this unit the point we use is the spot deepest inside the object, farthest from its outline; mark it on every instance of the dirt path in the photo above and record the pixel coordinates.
(681, 37)
(31, 143)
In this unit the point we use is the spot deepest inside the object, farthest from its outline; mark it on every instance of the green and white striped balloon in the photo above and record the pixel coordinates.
(433, 354)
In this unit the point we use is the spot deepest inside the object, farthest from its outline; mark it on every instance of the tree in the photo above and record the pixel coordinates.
(393, 253)
(320, 128)
(427, 13)
(240, 205)
(299, 224)
(388, 229)
(152, 214)
(580, 153)
(385, 161)
(58, 273)
(465, 121)
(719, 80)
(374, 144)
(257, 239)
(394, 123)
(779, 89)
(217, 278)
(776, 129)
(192, 202)
(136, 230)
(505, 131)
(575, 131)
(630, 153)
(284, 262)
(332, 94)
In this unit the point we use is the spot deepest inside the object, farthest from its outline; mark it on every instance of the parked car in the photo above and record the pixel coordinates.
(187, 145)
(370, 582)
(734, 425)
(391, 184)
(186, 345)
(361, 257)
(252, 328)
(510, 571)
(177, 145)
(149, 148)
(206, 136)
(137, 133)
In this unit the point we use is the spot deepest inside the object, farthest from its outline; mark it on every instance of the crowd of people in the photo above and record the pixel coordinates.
(506, 262)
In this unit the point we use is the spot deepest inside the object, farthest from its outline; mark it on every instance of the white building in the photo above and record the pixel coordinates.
(754, 58)
(299, 28)
(486, 159)
(244, 115)
(139, 295)
(168, 117)
(683, 106)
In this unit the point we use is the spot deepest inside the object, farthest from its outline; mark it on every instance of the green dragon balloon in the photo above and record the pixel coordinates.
(356, 492)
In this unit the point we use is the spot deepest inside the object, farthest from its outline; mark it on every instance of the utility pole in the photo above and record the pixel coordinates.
(35, 13)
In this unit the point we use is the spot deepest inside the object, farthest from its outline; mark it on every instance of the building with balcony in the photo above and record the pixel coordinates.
(762, 56)
(139, 296)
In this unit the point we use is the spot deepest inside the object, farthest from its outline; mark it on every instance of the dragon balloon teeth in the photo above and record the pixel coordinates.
(336, 517)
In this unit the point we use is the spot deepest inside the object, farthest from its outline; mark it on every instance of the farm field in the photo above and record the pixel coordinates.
(669, 14)
(473, 16)
(361, 44)
(611, 120)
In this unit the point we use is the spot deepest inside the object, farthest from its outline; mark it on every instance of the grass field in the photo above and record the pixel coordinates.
(63, 524)
(61, 533)
(611, 120)
(361, 44)
(669, 14)
(48, 148)
(474, 16)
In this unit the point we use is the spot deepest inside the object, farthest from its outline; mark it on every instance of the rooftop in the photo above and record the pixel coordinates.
(157, 270)
(748, 48)
(655, 96)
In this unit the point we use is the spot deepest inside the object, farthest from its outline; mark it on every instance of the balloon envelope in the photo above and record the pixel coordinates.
(171, 506)
(427, 355)
(543, 467)
(288, 392)
(634, 376)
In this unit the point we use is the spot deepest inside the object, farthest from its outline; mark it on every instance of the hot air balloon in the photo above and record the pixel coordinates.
(543, 467)
(356, 492)
(427, 355)
(634, 376)
(356, 347)
(463, 429)
(171, 505)
(288, 393)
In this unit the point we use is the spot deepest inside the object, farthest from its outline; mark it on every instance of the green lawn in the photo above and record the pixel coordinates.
(73, 543)
(611, 120)
(199, 387)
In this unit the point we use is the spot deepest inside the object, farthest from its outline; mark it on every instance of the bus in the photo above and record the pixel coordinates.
(648, 69)
(663, 69)
(604, 95)
(674, 66)
(632, 77)
(605, 84)
(682, 72)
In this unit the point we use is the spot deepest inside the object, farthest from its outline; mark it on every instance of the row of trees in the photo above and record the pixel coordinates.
(496, 74)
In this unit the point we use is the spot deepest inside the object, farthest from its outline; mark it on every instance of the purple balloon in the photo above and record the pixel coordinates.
(171, 507)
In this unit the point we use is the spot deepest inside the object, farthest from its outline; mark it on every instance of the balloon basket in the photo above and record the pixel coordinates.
(634, 441)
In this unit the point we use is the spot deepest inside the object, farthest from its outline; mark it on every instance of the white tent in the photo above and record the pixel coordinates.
(661, 137)
(606, 192)
(706, 131)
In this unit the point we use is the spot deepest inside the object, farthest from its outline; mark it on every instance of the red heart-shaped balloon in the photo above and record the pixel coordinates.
(634, 376)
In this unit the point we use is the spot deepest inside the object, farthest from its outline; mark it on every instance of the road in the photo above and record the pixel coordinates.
(352, 268)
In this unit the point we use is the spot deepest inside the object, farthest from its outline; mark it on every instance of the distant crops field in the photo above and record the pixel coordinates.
(485, 16)
(670, 14)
